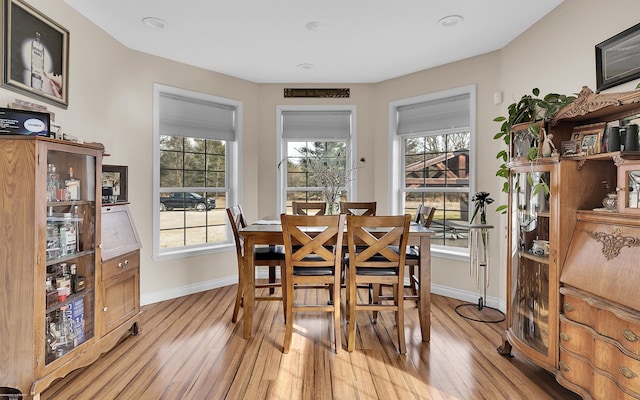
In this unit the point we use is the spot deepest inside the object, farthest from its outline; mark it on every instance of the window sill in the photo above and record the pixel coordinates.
(193, 251)
(450, 253)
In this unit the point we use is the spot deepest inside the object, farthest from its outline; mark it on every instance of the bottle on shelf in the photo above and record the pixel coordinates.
(53, 181)
(51, 342)
(72, 185)
(68, 236)
(75, 216)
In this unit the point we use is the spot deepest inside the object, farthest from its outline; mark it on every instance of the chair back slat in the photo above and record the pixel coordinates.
(308, 208)
(370, 237)
(424, 215)
(358, 207)
(306, 236)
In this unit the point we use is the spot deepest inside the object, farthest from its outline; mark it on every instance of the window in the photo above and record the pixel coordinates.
(432, 145)
(311, 136)
(195, 153)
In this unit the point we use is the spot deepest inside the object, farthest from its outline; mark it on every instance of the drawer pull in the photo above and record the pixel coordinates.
(105, 309)
(563, 366)
(126, 262)
(627, 372)
(565, 337)
(630, 336)
(568, 307)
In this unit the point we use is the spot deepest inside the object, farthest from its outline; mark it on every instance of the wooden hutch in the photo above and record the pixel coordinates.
(61, 307)
(574, 310)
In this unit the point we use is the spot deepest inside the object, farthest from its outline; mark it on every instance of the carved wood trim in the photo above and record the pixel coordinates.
(588, 101)
(612, 243)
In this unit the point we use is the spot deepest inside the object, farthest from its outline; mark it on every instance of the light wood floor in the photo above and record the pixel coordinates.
(189, 349)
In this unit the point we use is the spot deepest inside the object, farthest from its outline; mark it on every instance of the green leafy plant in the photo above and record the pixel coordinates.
(530, 108)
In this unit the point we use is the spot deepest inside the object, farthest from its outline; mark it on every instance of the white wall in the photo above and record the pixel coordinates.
(111, 102)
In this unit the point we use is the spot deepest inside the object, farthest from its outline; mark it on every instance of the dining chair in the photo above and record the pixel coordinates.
(312, 261)
(372, 260)
(308, 208)
(358, 207)
(424, 216)
(271, 256)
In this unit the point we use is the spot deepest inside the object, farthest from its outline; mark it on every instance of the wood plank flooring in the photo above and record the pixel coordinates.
(189, 349)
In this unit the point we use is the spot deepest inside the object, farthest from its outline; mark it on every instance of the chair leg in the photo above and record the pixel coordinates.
(272, 278)
(288, 316)
(399, 300)
(351, 315)
(375, 299)
(413, 282)
(283, 288)
(236, 307)
(337, 331)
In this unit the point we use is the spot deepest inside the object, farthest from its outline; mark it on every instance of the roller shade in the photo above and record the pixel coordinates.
(316, 124)
(189, 117)
(434, 115)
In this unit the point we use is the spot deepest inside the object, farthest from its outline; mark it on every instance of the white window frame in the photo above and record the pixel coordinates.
(233, 171)
(397, 161)
(281, 149)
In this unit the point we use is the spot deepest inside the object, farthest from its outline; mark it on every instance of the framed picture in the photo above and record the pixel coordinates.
(589, 137)
(591, 143)
(35, 54)
(618, 59)
(569, 148)
(115, 176)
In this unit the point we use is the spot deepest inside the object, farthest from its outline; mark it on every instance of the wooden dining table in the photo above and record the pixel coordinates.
(268, 231)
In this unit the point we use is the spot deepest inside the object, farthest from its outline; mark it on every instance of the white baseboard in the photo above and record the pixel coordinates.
(180, 291)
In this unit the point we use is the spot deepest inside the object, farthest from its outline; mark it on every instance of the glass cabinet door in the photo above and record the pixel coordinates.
(70, 252)
(529, 302)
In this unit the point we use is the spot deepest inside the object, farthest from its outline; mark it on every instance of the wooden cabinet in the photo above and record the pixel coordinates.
(120, 270)
(50, 265)
(540, 225)
(577, 314)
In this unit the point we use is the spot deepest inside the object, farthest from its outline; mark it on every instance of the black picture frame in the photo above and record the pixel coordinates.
(35, 54)
(618, 59)
(116, 176)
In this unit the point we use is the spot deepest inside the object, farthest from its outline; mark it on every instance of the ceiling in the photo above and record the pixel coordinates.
(314, 41)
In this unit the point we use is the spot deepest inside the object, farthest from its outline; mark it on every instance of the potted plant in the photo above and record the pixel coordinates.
(529, 109)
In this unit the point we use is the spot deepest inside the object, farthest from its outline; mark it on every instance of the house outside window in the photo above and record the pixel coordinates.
(433, 140)
(196, 141)
(324, 134)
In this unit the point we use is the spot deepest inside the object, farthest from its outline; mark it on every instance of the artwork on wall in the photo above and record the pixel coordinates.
(618, 59)
(35, 54)
(114, 180)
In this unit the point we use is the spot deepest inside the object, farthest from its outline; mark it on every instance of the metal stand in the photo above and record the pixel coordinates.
(479, 265)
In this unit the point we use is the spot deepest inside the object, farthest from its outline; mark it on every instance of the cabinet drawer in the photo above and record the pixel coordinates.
(601, 353)
(120, 264)
(617, 323)
(578, 371)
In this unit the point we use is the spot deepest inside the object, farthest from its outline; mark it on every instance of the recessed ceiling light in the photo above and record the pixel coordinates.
(153, 22)
(450, 20)
(305, 66)
(313, 25)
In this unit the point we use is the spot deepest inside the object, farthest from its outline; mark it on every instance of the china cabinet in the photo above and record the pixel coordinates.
(574, 311)
(50, 263)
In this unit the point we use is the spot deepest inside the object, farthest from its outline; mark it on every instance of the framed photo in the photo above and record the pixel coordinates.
(589, 137)
(591, 143)
(35, 54)
(618, 59)
(115, 176)
(569, 148)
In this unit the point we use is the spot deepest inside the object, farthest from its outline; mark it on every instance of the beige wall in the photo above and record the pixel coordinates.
(111, 102)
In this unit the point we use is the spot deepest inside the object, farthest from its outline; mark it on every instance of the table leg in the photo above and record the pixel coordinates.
(249, 301)
(424, 304)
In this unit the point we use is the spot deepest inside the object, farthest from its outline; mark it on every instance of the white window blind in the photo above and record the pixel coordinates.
(316, 124)
(189, 117)
(434, 115)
